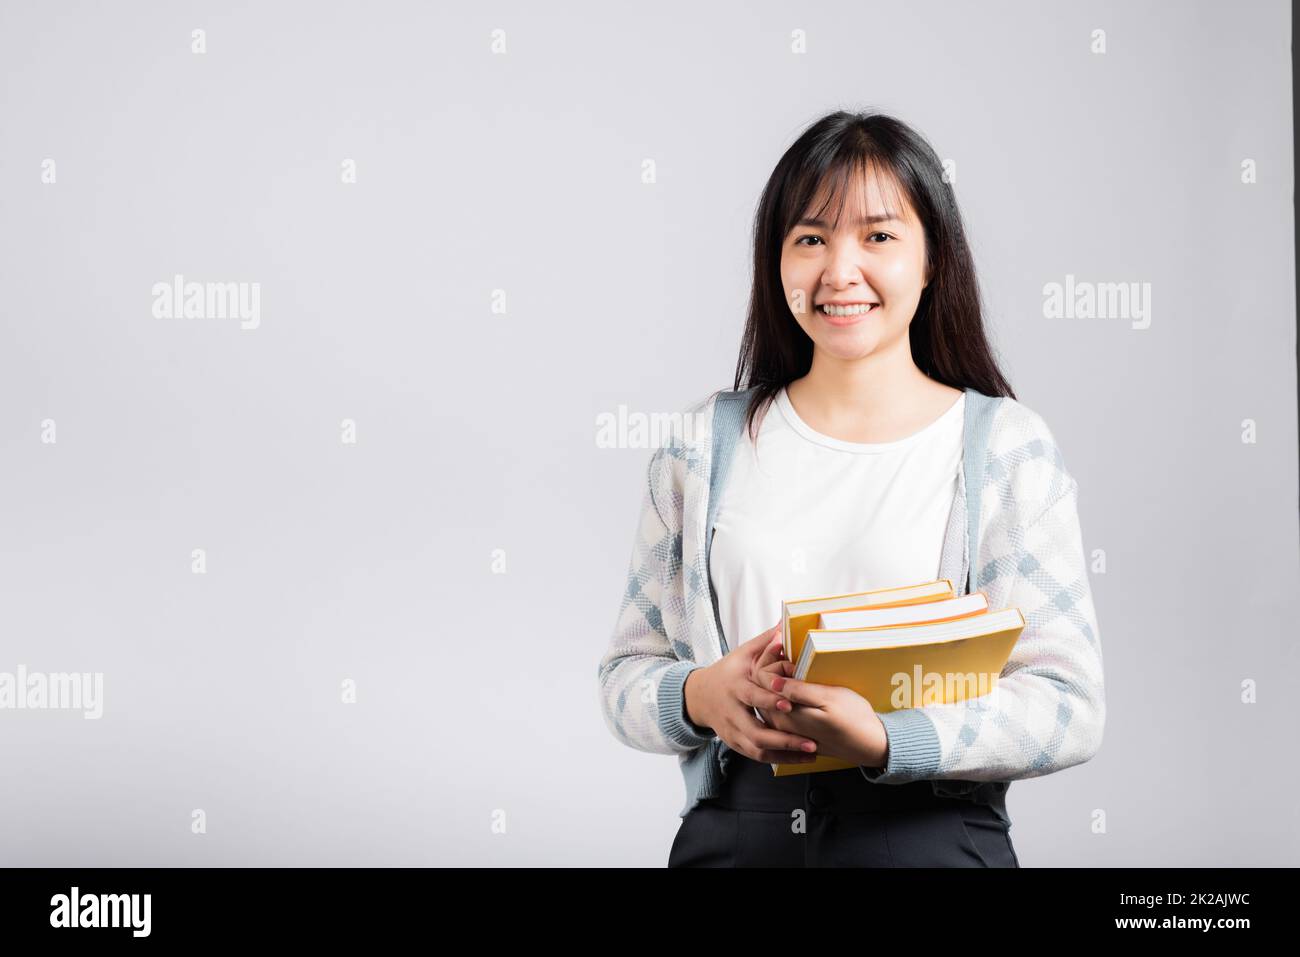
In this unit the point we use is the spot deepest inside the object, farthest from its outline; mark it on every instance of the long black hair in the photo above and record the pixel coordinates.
(947, 331)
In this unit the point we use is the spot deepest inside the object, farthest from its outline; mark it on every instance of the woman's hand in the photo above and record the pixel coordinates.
(771, 661)
(722, 695)
(841, 721)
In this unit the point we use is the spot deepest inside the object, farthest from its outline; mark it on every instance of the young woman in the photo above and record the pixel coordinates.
(874, 443)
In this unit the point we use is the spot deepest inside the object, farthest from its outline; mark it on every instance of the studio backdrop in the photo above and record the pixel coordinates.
(311, 533)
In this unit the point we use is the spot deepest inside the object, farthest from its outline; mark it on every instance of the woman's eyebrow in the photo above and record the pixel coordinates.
(860, 221)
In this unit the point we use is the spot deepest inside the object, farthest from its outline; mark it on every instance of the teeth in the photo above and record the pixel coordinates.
(856, 310)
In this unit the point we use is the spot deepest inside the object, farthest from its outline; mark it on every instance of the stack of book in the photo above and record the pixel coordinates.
(903, 647)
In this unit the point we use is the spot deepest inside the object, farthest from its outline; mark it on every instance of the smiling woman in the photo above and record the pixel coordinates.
(820, 259)
(858, 211)
(870, 442)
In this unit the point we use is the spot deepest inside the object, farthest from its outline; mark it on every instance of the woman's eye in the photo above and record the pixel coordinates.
(800, 240)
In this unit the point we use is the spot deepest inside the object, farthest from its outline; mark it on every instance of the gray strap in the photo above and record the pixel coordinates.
(980, 410)
(728, 421)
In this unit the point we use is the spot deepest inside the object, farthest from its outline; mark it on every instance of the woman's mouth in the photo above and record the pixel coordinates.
(846, 315)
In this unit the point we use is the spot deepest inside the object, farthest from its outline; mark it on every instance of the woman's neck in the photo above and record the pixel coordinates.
(866, 401)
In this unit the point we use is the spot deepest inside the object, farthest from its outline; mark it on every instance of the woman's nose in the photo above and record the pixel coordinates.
(844, 267)
(843, 270)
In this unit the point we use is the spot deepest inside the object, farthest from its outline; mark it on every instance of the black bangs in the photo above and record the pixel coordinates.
(844, 186)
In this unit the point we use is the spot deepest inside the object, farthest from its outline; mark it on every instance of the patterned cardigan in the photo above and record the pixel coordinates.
(1015, 509)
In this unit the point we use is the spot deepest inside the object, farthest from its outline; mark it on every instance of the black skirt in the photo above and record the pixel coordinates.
(838, 819)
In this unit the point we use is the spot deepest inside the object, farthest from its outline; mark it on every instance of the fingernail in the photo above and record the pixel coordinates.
(777, 683)
(810, 746)
(783, 705)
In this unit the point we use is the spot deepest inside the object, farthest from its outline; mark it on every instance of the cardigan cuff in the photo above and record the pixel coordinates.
(673, 720)
(913, 748)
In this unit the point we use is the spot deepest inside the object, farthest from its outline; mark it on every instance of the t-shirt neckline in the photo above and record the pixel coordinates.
(786, 408)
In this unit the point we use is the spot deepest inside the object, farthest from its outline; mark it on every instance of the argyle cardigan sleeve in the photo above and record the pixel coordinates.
(644, 669)
(1048, 710)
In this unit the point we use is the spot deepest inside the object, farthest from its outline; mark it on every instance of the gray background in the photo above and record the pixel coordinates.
(476, 431)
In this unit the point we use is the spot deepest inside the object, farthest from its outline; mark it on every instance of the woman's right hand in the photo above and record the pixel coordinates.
(722, 696)
(771, 662)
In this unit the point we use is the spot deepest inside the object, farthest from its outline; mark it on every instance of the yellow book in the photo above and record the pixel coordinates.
(924, 613)
(907, 666)
(800, 615)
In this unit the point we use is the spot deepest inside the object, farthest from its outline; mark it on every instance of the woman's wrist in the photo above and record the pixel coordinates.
(692, 699)
(875, 749)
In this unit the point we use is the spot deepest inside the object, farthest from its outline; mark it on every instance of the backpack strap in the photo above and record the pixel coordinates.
(728, 424)
(980, 410)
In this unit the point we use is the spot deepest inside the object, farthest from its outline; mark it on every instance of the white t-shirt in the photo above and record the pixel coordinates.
(805, 515)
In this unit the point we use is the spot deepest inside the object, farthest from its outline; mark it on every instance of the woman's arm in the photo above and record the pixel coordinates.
(1048, 710)
(642, 673)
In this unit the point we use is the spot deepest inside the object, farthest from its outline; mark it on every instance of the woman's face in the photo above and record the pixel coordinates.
(871, 257)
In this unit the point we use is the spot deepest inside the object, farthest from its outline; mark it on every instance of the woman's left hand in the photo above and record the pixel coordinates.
(841, 721)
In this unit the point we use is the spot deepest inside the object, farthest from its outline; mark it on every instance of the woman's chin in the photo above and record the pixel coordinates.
(848, 348)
